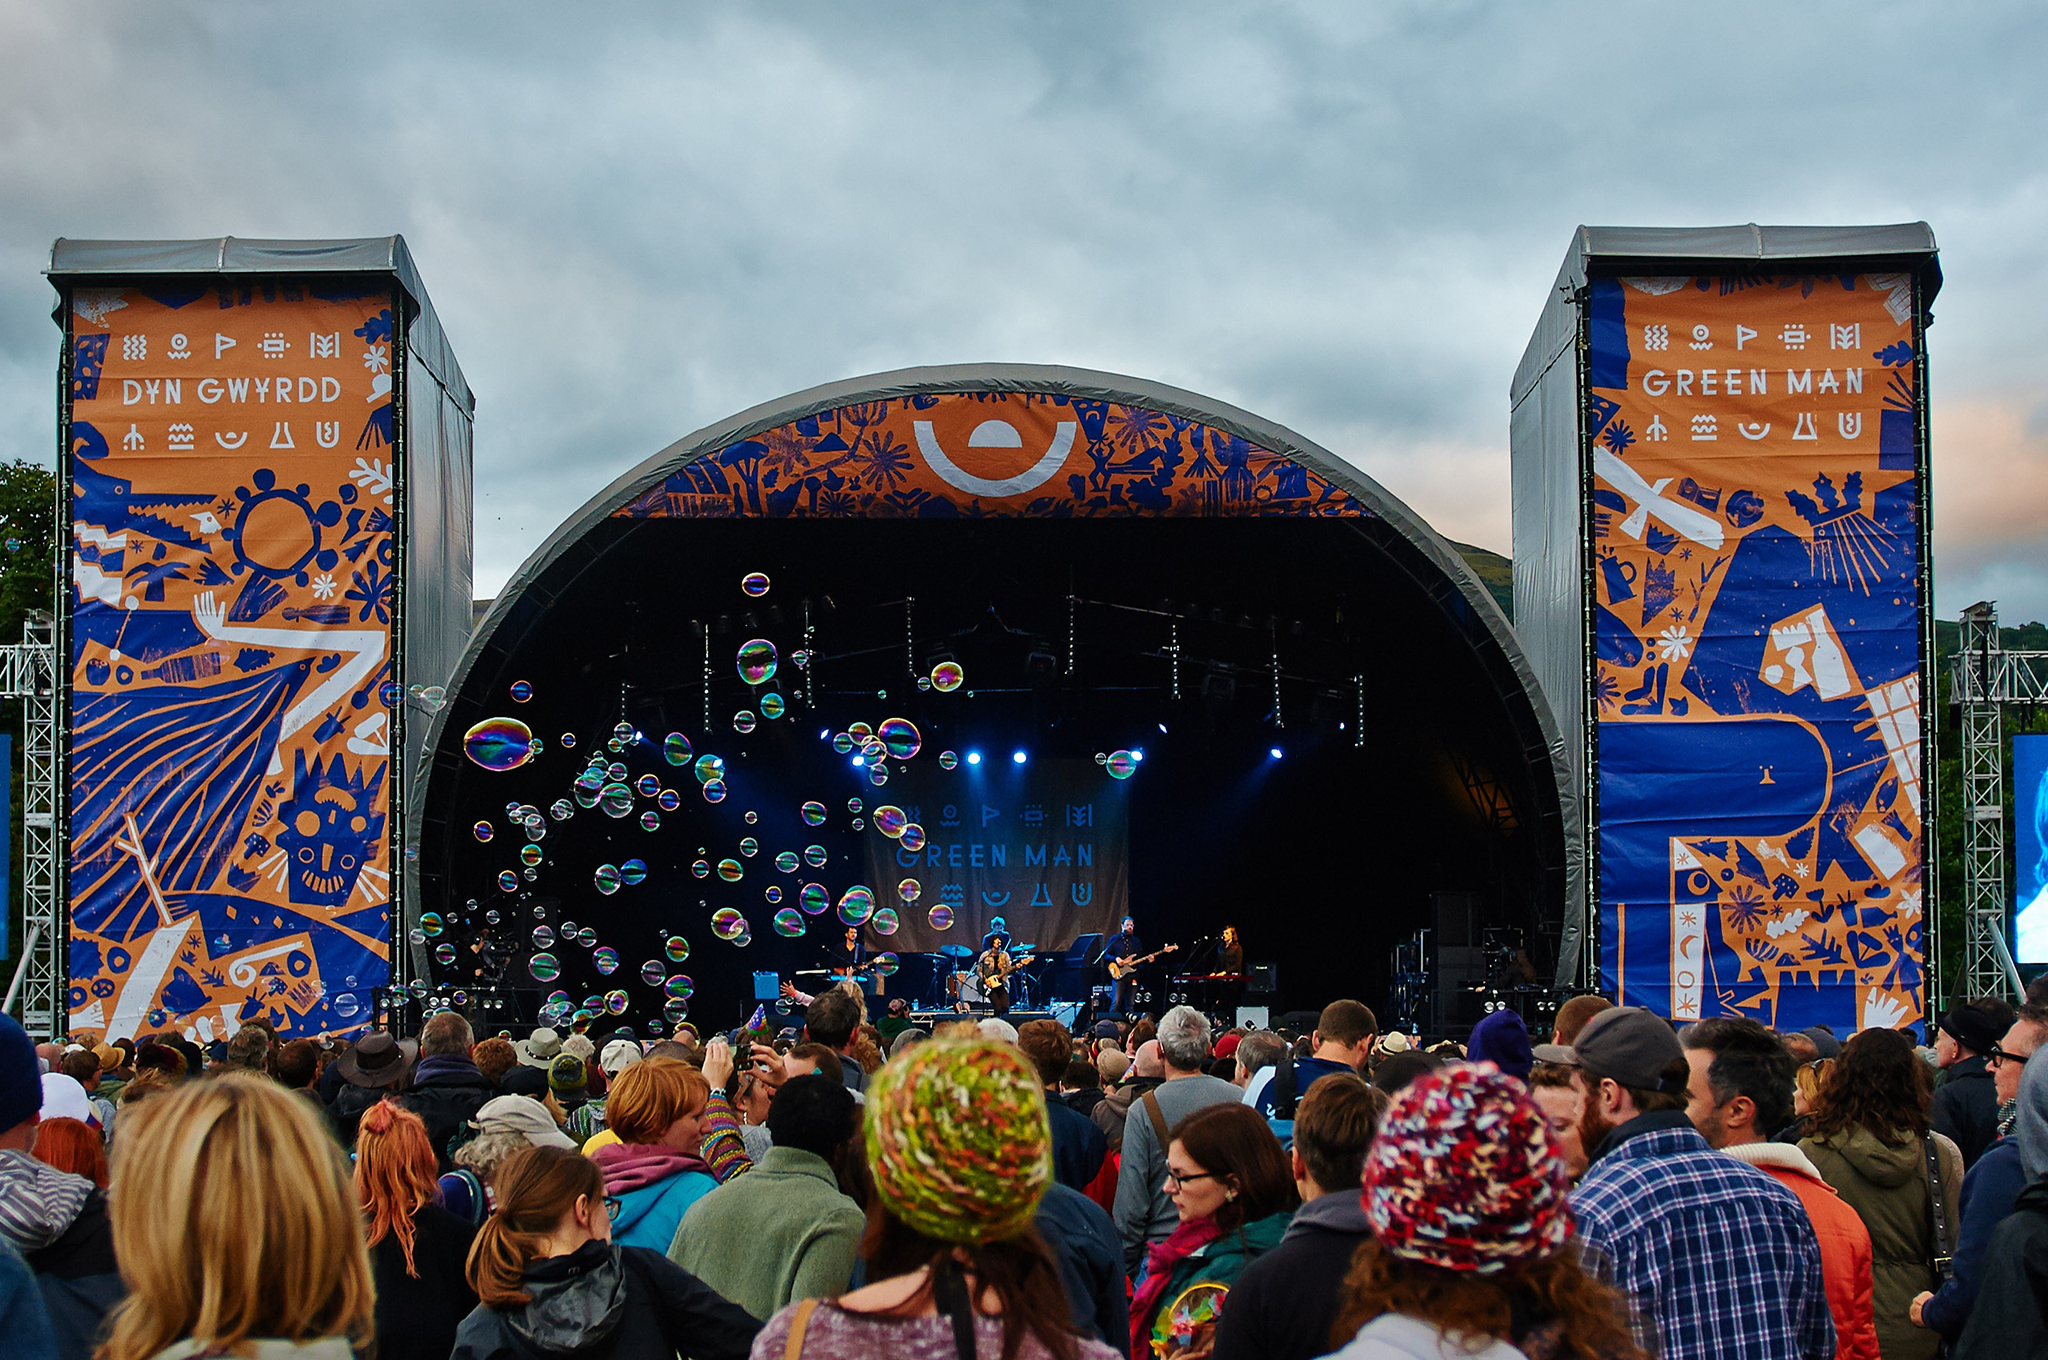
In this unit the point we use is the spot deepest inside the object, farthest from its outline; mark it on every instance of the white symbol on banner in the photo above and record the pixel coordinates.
(996, 434)
(181, 437)
(323, 587)
(1699, 338)
(1753, 430)
(1656, 337)
(327, 433)
(1845, 337)
(94, 584)
(1656, 431)
(206, 522)
(365, 649)
(1702, 529)
(1793, 336)
(134, 347)
(132, 440)
(326, 346)
(281, 436)
(1705, 429)
(96, 304)
(180, 349)
(222, 344)
(273, 344)
(373, 477)
(1743, 333)
(1803, 428)
(234, 441)
(1850, 424)
(369, 738)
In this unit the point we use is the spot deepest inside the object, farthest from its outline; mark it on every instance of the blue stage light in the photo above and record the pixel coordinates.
(1019, 757)
(859, 761)
(974, 757)
(1137, 753)
(824, 734)
(1275, 753)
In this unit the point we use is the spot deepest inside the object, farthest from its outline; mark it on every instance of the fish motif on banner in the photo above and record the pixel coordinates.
(1758, 619)
(231, 574)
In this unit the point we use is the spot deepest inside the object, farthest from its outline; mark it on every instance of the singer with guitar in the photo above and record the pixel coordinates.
(1124, 952)
(994, 968)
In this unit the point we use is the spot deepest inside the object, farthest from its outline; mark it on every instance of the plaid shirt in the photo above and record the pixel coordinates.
(1719, 1259)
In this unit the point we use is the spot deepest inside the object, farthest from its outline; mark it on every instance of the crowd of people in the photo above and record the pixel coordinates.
(848, 1188)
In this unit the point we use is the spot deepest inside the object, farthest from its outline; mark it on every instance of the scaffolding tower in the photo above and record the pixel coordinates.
(1985, 678)
(28, 672)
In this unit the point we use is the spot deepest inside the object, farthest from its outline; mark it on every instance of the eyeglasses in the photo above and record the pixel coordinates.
(1997, 1056)
(612, 1205)
(1175, 1178)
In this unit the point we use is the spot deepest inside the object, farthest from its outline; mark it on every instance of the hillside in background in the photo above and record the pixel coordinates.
(1495, 571)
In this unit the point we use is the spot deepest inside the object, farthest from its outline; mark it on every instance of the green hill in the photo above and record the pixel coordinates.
(1496, 571)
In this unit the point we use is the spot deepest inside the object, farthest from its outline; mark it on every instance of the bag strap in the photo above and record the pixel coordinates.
(1158, 1117)
(950, 1293)
(1937, 1207)
(1284, 1094)
(798, 1322)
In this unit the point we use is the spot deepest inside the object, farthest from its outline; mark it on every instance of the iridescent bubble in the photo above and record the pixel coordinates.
(708, 768)
(530, 875)
(731, 870)
(940, 916)
(842, 743)
(444, 953)
(561, 810)
(676, 749)
(676, 948)
(499, 744)
(508, 881)
(484, 831)
(912, 837)
(901, 737)
(909, 889)
(858, 824)
(680, 987)
(586, 936)
(757, 661)
(459, 998)
(726, 923)
(585, 796)
(786, 861)
(529, 854)
(674, 1011)
(633, 871)
(616, 1002)
(647, 786)
(772, 894)
(755, 583)
(650, 820)
(668, 800)
(607, 878)
(853, 805)
(884, 921)
(885, 964)
(802, 659)
(568, 741)
(653, 973)
(743, 939)
(814, 814)
(947, 677)
(789, 922)
(948, 760)
(615, 772)
(491, 917)
(814, 898)
(521, 691)
(416, 935)
(743, 721)
(623, 731)
(890, 820)
(616, 800)
(814, 855)
(544, 967)
(752, 817)
(1121, 764)
(750, 847)
(856, 904)
(568, 930)
(702, 868)
(873, 750)
(859, 731)
(714, 792)
(878, 775)
(772, 706)
(345, 1005)
(390, 693)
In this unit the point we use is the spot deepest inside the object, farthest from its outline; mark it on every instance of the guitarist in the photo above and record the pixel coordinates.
(1125, 944)
(994, 967)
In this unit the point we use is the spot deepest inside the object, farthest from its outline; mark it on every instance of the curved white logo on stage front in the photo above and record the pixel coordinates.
(995, 434)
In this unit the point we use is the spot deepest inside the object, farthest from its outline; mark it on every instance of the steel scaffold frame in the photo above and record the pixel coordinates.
(28, 672)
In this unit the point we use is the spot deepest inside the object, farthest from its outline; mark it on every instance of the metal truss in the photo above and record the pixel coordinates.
(28, 672)
(1984, 679)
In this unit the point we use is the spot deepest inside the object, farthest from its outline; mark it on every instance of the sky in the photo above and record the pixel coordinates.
(637, 219)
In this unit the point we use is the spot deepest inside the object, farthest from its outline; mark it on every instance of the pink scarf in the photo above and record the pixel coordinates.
(635, 1166)
(1160, 1259)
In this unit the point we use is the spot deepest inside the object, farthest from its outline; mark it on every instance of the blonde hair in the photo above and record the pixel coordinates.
(234, 1219)
(651, 1095)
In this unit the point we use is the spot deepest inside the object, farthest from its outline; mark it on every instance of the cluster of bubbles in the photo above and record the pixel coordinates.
(1119, 764)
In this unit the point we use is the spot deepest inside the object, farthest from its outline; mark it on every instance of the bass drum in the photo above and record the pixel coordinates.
(968, 988)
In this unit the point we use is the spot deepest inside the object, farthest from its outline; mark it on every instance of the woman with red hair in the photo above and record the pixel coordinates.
(418, 1250)
(72, 1145)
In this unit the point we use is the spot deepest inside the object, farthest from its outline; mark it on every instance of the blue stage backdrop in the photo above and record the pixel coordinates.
(2030, 847)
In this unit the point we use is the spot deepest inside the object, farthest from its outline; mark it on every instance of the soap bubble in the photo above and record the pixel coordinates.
(606, 960)
(814, 814)
(940, 916)
(786, 861)
(622, 732)
(853, 805)
(616, 772)
(772, 706)
(859, 731)
(544, 967)
(884, 921)
(680, 987)
(430, 924)
(802, 659)
(668, 800)
(675, 748)
(948, 760)
(901, 737)
(885, 964)
(714, 791)
(1121, 764)
(757, 661)
(743, 721)
(617, 1002)
(586, 936)
(842, 743)
(856, 904)
(529, 854)
(772, 893)
(499, 744)
(676, 948)
(912, 837)
(521, 691)
(444, 953)
(508, 881)
(561, 810)
(731, 870)
(814, 898)
(675, 1012)
(568, 741)
(858, 824)
(652, 973)
(890, 821)
(752, 817)
(909, 889)
(750, 847)
(607, 878)
(755, 583)
(491, 917)
(633, 871)
(708, 768)
(947, 677)
(345, 1005)
(789, 922)
(543, 937)
(727, 923)
(616, 800)
(878, 775)
(647, 786)
(483, 831)
(650, 820)
(814, 855)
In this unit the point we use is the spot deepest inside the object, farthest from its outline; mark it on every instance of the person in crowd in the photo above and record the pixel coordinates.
(1825, 1044)
(1257, 1058)
(297, 1067)
(1870, 1140)
(1078, 1145)
(1801, 1046)
(785, 1231)
(237, 1230)
(82, 1065)
(1082, 1238)
(1573, 1015)
(1502, 1039)
(1396, 1072)
(553, 1284)
(1991, 1188)
(1552, 1088)
(1717, 1258)
(1285, 1303)
(447, 1088)
(1144, 1213)
(538, 1049)
(959, 1155)
(1229, 1185)
(618, 1055)
(248, 1049)
(417, 1248)
(1966, 1104)
(64, 1098)
(2009, 1319)
(116, 1068)
(833, 1019)
(656, 1170)
(1081, 1091)
(24, 1321)
(376, 1066)
(1742, 1090)
(55, 1220)
(1470, 1255)
(1146, 1072)
(569, 1079)
(1807, 1079)
(1343, 1038)
(805, 1059)
(896, 1021)
(494, 1057)
(72, 1145)
(503, 1126)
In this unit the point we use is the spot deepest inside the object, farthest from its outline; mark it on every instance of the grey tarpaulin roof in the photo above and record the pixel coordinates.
(1510, 670)
(241, 255)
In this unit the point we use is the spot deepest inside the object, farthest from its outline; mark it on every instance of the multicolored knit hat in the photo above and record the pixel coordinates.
(959, 1142)
(1463, 1174)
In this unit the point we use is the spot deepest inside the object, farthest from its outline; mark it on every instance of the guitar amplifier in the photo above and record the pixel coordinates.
(1262, 980)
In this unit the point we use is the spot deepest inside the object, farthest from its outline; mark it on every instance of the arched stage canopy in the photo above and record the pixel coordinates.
(1339, 731)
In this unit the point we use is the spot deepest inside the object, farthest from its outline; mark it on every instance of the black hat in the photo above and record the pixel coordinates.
(1971, 1028)
(378, 1059)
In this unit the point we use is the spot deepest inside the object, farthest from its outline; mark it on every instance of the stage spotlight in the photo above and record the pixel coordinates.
(1019, 757)
(1275, 753)
(1137, 753)
(974, 757)
(1162, 727)
(824, 734)
(859, 761)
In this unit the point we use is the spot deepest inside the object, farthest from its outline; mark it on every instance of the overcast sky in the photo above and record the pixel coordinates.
(637, 219)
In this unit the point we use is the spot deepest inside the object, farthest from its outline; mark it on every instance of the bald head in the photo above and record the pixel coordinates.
(1149, 1063)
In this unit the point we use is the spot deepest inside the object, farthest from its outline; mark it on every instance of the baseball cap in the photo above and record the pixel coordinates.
(1627, 1044)
(524, 1116)
(1971, 1028)
(619, 1055)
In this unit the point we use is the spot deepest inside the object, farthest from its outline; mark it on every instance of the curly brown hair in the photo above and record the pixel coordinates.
(1591, 1318)
(1879, 1083)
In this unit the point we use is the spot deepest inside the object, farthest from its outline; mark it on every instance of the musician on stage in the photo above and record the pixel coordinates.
(1229, 953)
(1125, 944)
(994, 968)
(998, 932)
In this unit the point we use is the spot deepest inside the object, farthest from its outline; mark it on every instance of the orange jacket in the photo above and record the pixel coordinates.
(1844, 1242)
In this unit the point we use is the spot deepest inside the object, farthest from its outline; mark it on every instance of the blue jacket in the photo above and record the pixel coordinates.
(1991, 1189)
(23, 1319)
(1091, 1260)
(648, 1216)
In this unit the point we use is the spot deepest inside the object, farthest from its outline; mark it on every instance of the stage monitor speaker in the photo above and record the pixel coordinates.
(767, 986)
(1252, 1017)
(1066, 1012)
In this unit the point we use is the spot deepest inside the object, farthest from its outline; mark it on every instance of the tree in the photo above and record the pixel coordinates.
(28, 555)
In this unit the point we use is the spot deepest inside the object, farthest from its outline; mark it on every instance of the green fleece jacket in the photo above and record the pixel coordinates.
(1886, 1184)
(781, 1233)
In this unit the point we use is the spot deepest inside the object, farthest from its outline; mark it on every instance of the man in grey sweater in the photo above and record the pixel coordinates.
(1143, 1213)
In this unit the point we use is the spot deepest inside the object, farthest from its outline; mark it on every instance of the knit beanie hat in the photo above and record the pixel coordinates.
(21, 1084)
(1503, 1040)
(1463, 1175)
(567, 1074)
(959, 1142)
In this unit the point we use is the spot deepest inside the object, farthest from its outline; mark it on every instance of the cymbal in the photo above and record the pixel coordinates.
(1023, 948)
(956, 951)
